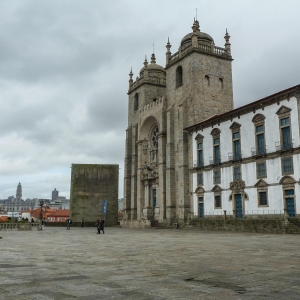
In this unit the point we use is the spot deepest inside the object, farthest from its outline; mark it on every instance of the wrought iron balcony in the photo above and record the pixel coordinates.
(198, 164)
(258, 151)
(215, 160)
(234, 156)
(283, 146)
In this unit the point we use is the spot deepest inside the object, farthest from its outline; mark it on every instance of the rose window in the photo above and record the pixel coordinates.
(155, 137)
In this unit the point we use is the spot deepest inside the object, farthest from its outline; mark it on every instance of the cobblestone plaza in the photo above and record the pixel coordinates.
(147, 264)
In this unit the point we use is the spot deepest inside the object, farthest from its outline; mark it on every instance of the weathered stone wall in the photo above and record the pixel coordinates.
(243, 225)
(135, 223)
(90, 186)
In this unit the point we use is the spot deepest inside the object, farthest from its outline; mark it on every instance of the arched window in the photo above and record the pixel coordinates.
(136, 101)
(155, 138)
(207, 80)
(179, 77)
(221, 83)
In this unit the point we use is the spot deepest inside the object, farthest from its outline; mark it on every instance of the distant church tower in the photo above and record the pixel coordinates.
(195, 85)
(19, 193)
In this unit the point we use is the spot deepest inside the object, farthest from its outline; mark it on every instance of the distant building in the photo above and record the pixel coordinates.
(19, 192)
(120, 204)
(54, 195)
(90, 186)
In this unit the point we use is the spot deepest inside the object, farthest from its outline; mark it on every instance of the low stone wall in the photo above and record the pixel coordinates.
(135, 223)
(243, 225)
(74, 224)
(18, 226)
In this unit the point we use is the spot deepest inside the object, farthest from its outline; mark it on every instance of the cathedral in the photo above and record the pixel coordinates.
(194, 85)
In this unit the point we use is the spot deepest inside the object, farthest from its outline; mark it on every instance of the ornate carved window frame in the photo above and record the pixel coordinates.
(217, 193)
(288, 183)
(259, 120)
(262, 187)
(236, 128)
(284, 112)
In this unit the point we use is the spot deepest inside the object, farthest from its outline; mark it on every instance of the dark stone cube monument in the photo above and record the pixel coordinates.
(91, 184)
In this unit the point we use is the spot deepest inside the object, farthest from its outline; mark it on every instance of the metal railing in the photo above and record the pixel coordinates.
(214, 160)
(198, 164)
(248, 214)
(258, 151)
(285, 146)
(234, 156)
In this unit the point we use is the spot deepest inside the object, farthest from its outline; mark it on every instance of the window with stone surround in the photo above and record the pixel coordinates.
(262, 193)
(261, 169)
(259, 126)
(179, 77)
(237, 173)
(200, 178)
(155, 138)
(284, 114)
(136, 101)
(217, 176)
(262, 198)
(218, 202)
(287, 165)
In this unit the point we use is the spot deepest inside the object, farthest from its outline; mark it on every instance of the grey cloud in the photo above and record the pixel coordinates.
(64, 73)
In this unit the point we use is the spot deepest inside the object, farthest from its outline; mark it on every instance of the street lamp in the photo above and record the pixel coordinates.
(41, 214)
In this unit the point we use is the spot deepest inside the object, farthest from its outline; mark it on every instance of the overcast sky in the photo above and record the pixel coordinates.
(64, 68)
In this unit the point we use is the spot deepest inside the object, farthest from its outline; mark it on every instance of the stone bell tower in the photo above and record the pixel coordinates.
(199, 85)
(195, 84)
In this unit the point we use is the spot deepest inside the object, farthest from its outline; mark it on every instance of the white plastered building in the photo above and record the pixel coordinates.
(246, 162)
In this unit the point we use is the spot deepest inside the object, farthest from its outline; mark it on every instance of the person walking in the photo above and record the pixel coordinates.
(101, 225)
(82, 223)
(98, 226)
(69, 222)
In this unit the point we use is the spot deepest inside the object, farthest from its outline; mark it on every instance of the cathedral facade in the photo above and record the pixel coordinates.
(195, 84)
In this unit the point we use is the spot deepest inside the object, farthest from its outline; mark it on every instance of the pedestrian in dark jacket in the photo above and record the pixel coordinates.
(98, 226)
(101, 226)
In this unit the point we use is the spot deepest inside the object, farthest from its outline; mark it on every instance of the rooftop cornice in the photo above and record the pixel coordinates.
(204, 49)
(251, 107)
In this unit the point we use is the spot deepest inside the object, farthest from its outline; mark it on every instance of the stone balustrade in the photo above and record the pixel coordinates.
(18, 226)
(202, 47)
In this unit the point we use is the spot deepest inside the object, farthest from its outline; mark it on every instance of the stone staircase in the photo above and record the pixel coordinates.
(155, 224)
(293, 226)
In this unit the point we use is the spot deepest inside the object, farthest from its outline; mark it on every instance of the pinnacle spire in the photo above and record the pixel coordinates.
(145, 62)
(153, 59)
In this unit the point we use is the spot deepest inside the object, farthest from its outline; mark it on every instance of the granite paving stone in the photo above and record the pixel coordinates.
(147, 264)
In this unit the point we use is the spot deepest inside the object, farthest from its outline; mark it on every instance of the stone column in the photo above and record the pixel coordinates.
(183, 201)
(161, 190)
(147, 210)
(134, 173)
(127, 174)
(170, 168)
(140, 185)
